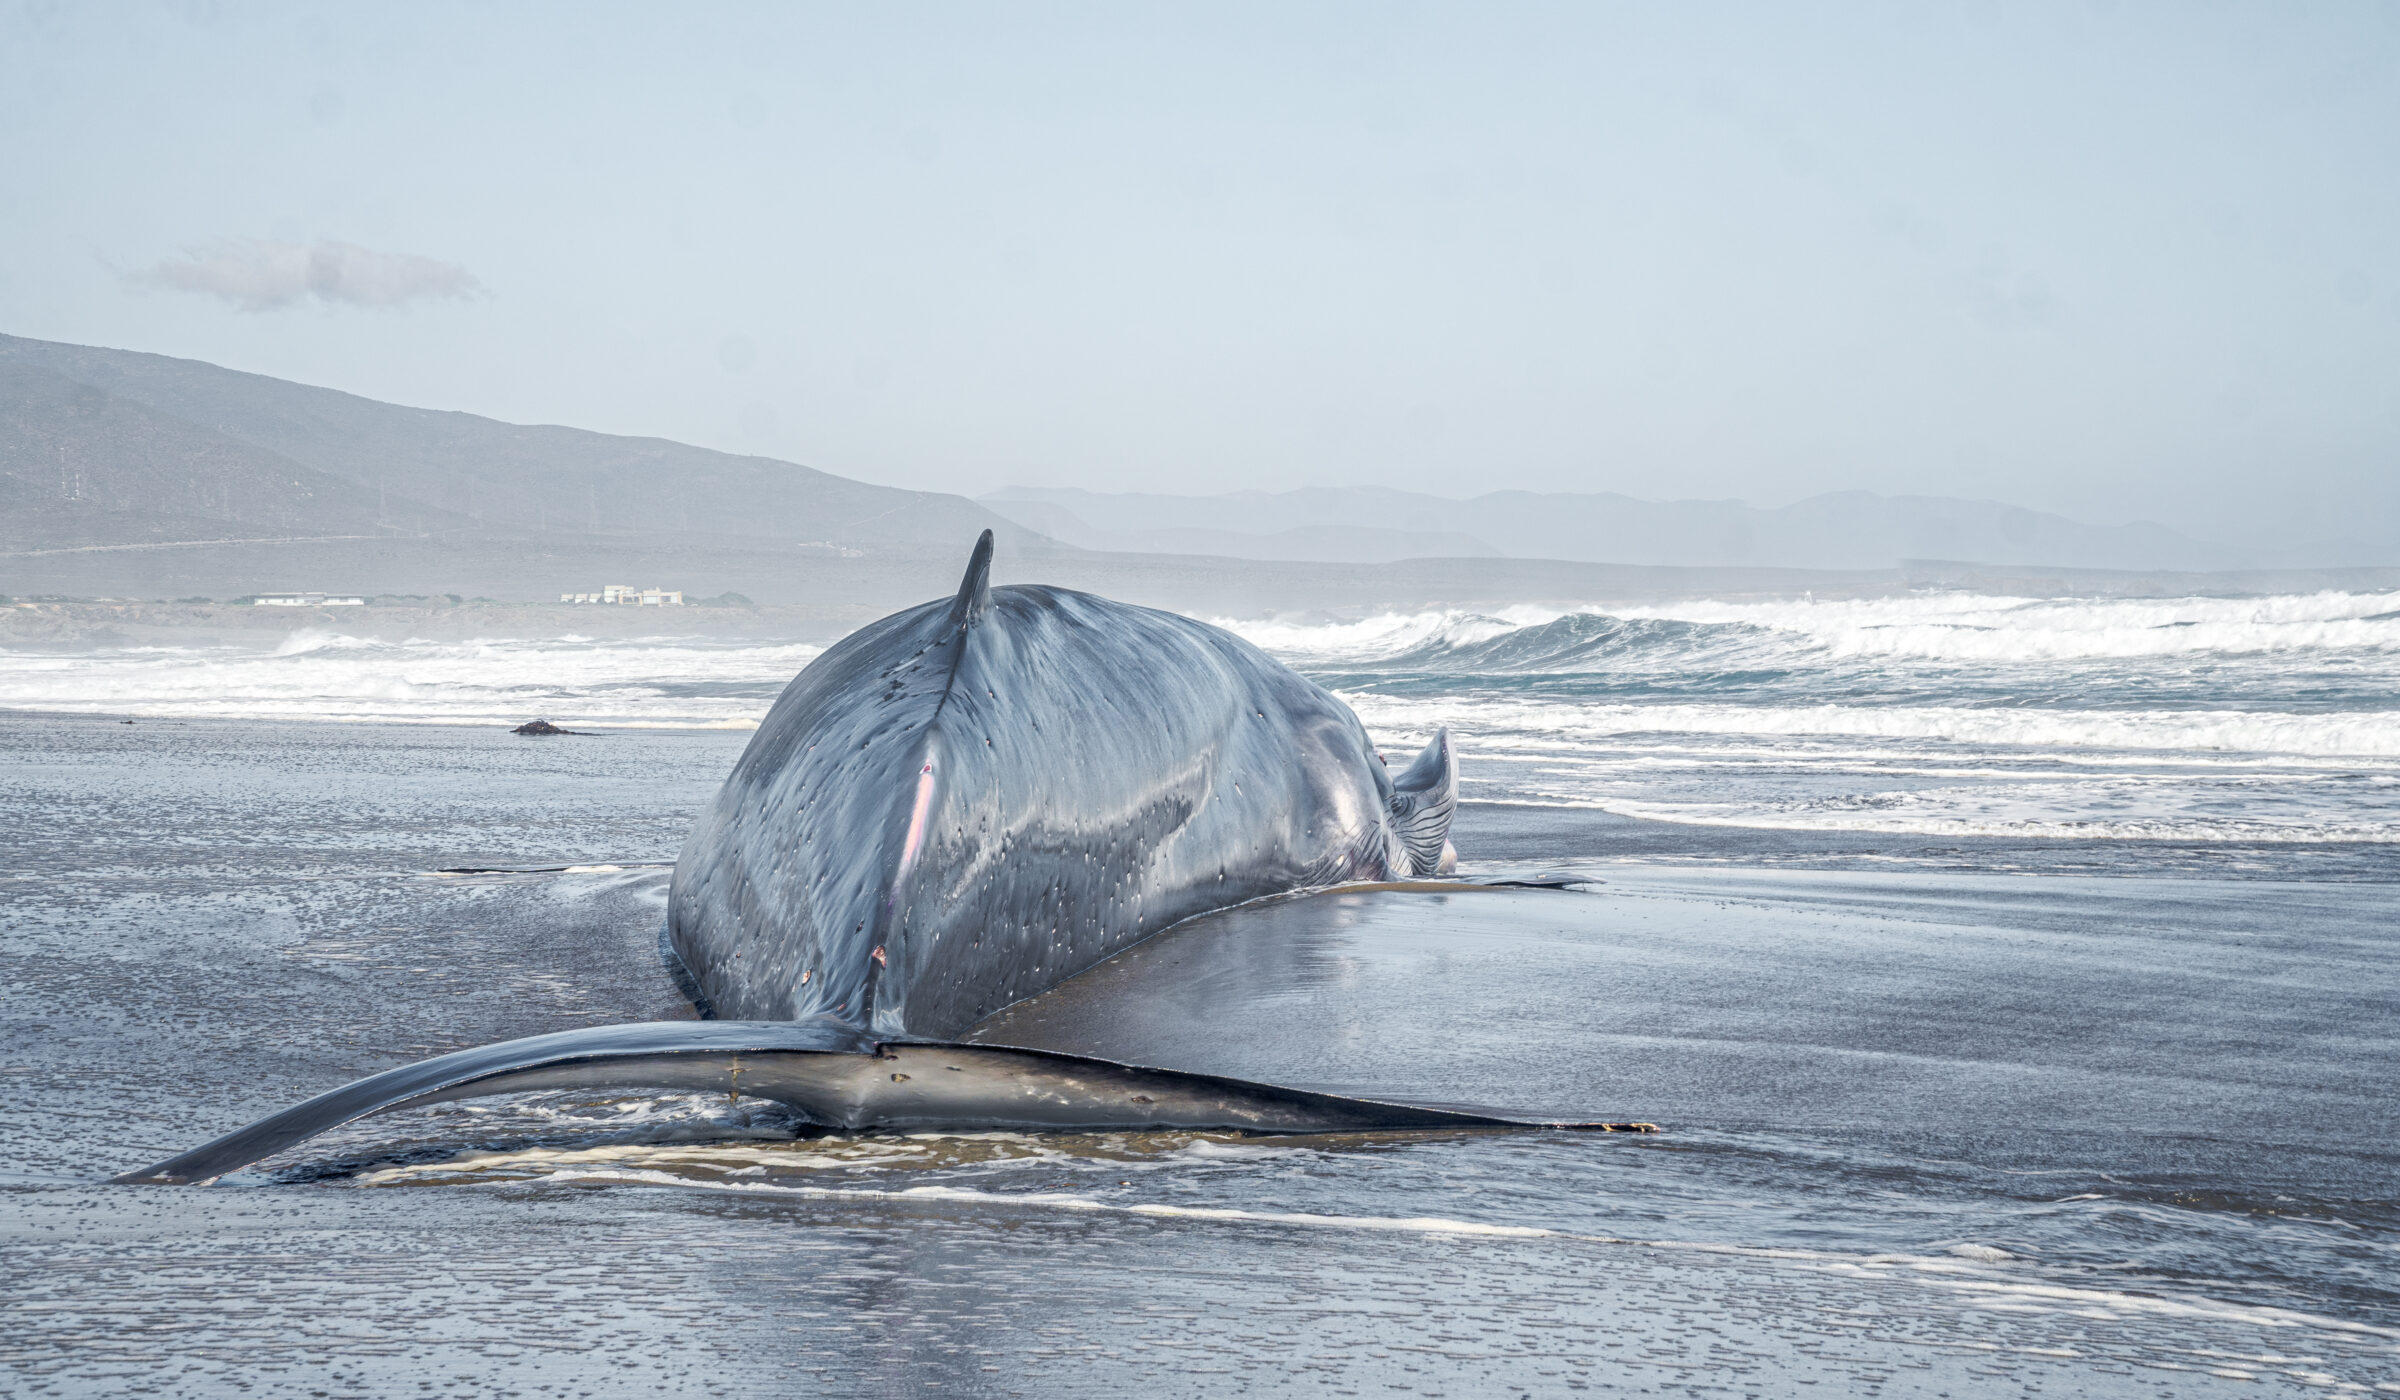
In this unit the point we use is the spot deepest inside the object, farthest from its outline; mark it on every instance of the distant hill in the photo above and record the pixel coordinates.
(1365, 524)
(113, 447)
(127, 475)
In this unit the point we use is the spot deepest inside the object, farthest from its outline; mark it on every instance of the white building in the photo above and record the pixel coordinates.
(625, 595)
(305, 600)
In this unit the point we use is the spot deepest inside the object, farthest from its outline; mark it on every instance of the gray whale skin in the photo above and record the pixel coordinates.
(952, 809)
(968, 802)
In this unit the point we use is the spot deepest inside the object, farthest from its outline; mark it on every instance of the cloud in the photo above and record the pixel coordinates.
(259, 275)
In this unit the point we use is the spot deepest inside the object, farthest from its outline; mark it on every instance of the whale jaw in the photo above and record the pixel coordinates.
(822, 1069)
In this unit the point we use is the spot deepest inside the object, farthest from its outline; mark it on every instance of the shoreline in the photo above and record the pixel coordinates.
(802, 597)
(1521, 835)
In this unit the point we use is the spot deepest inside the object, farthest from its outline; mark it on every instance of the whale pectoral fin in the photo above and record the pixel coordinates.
(829, 1074)
(1423, 797)
(688, 1055)
(975, 590)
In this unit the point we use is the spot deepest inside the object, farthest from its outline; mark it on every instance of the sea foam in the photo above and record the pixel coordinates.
(2259, 718)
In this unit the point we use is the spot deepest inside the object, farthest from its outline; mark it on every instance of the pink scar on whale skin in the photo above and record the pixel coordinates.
(918, 812)
(916, 819)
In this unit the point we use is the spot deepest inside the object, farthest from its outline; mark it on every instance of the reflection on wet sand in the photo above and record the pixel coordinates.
(2208, 1205)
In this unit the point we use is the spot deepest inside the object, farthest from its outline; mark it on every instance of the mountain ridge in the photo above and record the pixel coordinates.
(428, 471)
(123, 472)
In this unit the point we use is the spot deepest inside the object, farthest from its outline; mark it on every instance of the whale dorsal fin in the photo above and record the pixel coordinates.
(975, 590)
(1422, 799)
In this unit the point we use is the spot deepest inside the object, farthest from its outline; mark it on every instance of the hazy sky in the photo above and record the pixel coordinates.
(2121, 261)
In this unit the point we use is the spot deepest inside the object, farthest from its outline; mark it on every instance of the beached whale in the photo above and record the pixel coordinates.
(968, 802)
(955, 808)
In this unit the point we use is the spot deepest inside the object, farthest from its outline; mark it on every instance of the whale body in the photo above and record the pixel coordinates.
(968, 802)
(951, 810)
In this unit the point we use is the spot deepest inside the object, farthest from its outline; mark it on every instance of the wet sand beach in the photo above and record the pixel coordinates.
(2113, 1121)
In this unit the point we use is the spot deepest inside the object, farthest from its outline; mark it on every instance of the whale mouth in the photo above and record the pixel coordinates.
(781, 1080)
(561, 1137)
(821, 1069)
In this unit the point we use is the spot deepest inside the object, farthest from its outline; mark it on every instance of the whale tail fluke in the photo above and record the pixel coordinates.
(975, 590)
(834, 1076)
(1423, 797)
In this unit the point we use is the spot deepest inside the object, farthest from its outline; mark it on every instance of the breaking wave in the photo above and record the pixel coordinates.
(2256, 719)
(2273, 719)
(313, 674)
(2201, 733)
(1931, 627)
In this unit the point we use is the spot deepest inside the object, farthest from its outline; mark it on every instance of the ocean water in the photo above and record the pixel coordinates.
(2241, 719)
(1930, 1128)
(2251, 719)
(673, 682)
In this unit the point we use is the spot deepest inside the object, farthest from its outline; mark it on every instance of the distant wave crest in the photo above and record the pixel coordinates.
(320, 674)
(1931, 627)
(2208, 719)
(2254, 719)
